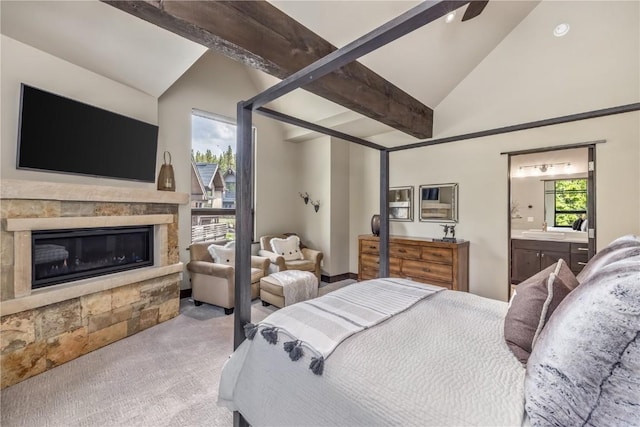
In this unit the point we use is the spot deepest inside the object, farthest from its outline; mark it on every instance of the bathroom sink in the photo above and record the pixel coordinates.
(546, 235)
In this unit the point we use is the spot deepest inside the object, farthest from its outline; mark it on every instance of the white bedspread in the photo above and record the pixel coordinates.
(441, 362)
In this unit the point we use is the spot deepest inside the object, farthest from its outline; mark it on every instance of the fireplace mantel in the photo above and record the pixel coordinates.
(39, 190)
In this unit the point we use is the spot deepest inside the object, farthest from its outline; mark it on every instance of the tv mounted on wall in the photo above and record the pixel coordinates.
(62, 135)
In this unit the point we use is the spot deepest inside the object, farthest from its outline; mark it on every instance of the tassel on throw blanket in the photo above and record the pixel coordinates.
(320, 325)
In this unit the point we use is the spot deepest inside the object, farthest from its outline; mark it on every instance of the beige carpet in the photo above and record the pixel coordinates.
(164, 376)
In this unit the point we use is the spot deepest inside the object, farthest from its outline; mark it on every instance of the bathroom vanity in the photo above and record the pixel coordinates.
(533, 251)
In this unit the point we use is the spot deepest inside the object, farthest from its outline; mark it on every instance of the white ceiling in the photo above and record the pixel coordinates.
(102, 39)
(428, 63)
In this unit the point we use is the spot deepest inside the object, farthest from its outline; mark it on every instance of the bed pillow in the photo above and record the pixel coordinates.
(584, 368)
(223, 254)
(622, 247)
(532, 304)
(289, 248)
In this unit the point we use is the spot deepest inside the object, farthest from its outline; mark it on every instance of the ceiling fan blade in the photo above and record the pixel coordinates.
(474, 9)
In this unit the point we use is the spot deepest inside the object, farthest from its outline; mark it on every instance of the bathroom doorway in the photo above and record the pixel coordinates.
(551, 208)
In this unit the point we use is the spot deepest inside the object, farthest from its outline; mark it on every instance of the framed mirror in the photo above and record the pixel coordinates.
(401, 203)
(439, 203)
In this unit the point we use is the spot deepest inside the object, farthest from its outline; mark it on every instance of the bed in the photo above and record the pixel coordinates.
(443, 358)
(407, 370)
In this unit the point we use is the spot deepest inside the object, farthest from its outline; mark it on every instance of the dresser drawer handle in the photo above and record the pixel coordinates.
(582, 263)
(426, 270)
(372, 247)
(583, 249)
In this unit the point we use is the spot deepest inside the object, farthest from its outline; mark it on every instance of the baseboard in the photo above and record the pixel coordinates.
(338, 277)
(185, 293)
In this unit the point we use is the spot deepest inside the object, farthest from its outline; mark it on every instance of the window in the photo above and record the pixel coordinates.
(213, 177)
(569, 200)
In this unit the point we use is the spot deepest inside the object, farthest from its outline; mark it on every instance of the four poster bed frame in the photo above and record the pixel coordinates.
(413, 19)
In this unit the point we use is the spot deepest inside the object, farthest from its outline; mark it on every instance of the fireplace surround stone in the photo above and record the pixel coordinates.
(44, 328)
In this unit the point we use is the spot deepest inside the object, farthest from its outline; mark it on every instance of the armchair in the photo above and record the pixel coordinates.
(311, 262)
(214, 283)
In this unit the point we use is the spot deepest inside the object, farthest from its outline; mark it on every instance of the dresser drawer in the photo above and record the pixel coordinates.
(372, 263)
(419, 269)
(440, 255)
(404, 251)
(369, 247)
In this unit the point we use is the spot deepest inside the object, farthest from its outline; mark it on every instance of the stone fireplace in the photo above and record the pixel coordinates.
(45, 326)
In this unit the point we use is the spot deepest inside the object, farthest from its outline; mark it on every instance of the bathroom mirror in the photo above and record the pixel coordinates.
(439, 203)
(401, 204)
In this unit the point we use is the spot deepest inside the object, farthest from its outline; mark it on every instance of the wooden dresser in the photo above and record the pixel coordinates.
(420, 259)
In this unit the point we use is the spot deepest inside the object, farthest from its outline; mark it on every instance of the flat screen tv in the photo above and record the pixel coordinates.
(62, 135)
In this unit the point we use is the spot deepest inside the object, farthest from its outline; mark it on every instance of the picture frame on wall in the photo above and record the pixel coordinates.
(401, 203)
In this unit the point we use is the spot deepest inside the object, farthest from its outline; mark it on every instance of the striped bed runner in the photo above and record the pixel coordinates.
(321, 324)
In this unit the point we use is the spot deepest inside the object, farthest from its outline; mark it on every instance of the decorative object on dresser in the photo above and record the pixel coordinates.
(401, 203)
(375, 225)
(420, 259)
(448, 228)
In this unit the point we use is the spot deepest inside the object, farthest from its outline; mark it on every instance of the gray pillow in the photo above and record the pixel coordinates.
(585, 367)
(622, 247)
(532, 304)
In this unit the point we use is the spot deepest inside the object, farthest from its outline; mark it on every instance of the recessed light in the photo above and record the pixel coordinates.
(450, 17)
(561, 29)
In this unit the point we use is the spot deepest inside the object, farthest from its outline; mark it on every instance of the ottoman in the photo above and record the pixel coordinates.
(288, 287)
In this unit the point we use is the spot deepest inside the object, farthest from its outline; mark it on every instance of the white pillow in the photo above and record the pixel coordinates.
(289, 248)
(223, 254)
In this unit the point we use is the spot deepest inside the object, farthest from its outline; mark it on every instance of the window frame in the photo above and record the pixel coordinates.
(228, 211)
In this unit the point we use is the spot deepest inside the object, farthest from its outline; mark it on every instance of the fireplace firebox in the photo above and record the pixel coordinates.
(64, 255)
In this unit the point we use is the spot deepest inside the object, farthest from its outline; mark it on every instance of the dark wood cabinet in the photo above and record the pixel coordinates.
(531, 256)
(423, 260)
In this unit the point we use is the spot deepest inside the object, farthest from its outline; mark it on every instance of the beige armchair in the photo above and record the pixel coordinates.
(311, 262)
(215, 283)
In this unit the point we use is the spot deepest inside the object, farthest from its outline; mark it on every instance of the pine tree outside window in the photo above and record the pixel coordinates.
(570, 197)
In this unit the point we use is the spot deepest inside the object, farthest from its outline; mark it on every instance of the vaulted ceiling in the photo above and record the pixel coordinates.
(426, 64)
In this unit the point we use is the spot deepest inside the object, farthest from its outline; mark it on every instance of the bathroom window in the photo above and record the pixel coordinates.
(569, 200)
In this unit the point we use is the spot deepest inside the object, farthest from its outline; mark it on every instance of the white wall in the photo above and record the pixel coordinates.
(531, 75)
(21, 63)
(323, 172)
(216, 84)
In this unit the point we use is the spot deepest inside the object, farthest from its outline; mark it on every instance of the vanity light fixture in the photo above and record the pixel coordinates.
(561, 30)
(543, 168)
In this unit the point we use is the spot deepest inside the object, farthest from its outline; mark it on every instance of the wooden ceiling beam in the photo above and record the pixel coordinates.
(261, 36)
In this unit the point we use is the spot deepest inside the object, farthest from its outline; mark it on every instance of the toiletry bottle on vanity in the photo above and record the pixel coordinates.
(544, 226)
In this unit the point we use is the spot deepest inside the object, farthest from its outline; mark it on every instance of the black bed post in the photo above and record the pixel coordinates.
(384, 213)
(243, 224)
